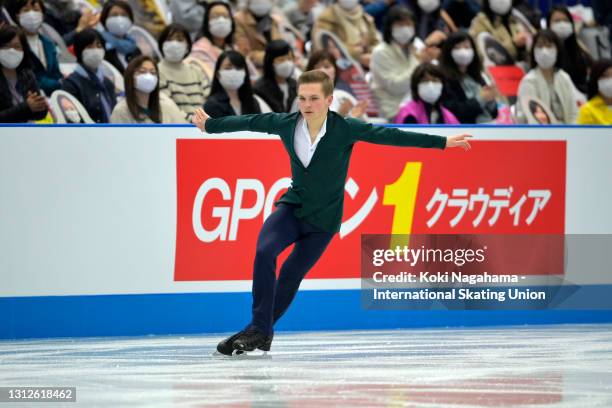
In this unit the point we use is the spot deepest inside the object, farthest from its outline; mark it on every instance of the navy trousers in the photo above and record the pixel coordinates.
(272, 297)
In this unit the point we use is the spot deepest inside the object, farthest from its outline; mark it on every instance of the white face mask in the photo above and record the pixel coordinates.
(31, 21)
(463, 56)
(402, 34)
(562, 28)
(231, 79)
(430, 91)
(174, 51)
(72, 116)
(260, 7)
(220, 27)
(284, 69)
(348, 4)
(605, 87)
(118, 25)
(545, 57)
(11, 58)
(146, 82)
(92, 58)
(428, 5)
(500, 7)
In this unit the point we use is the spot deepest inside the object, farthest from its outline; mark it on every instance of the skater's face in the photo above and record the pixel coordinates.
(312, 101)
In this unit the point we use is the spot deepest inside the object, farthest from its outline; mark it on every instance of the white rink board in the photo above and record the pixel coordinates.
(92, 210)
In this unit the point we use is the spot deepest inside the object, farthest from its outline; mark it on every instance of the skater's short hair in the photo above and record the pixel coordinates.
(317, 77)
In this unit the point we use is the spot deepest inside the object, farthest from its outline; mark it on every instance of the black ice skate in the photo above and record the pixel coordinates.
(252, 339)
(226, 346)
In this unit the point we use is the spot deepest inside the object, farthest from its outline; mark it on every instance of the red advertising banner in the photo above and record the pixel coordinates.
(226, 188)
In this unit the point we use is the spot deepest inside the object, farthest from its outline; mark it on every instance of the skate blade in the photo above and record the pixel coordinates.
(244, 355)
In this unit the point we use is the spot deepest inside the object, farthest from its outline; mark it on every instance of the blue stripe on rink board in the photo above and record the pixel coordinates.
(190, 313)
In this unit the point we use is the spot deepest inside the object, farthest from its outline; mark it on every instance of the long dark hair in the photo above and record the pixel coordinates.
(474, 70)
(597, 72)
(576, 61)
(229, 40)
(245, 92)
(552, 38)
(130, 90)
(275, 48)
(7, 33)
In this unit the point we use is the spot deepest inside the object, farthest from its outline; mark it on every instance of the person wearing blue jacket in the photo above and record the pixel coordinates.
(28, 14)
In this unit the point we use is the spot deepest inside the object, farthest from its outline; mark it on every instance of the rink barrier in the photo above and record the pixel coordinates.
(88, 231)
(198, 313)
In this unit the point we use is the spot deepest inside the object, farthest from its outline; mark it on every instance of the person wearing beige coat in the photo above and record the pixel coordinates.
(249, 37)
(511, 36)
(170, 113)
(354, 27)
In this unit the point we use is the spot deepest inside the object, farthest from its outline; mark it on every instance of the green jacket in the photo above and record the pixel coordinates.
(318, 189)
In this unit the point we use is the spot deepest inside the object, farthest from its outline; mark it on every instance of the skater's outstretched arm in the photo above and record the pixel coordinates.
(264, 122)
(394, 137)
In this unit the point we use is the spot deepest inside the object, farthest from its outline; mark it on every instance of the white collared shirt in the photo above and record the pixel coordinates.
(301, 141)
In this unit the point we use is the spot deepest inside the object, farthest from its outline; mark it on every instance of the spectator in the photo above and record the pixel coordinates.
(467, 94)
(255, 28)
(67, 19)
(394, 61)
(347, 20)
(189, 14)
(343, 102)
(87, 83)
(461, 12)
(603, 14)
(576, 59)
(598, 110)
(496, 19)
(231, 92)
(302, 14)
(21, 100)
(117, 18)
(217, 34)
(547, 81)
(143, 102)
(277, 88)
(377, 9)
(28, 14)
(426, 106)
(184, 83)
(428, 18)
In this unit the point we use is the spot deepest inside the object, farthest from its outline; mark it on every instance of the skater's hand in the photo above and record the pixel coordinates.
(459, 141)
(199, 119)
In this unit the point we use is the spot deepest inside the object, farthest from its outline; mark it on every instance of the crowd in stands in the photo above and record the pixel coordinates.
(391, 61)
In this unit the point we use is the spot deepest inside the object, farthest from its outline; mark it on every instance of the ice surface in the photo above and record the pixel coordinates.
(541, 366)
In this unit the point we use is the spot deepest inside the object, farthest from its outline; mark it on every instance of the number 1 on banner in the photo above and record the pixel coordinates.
(402, 195)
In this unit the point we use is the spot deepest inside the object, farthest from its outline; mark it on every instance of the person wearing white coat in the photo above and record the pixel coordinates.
(394, 61)
(547, 81)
